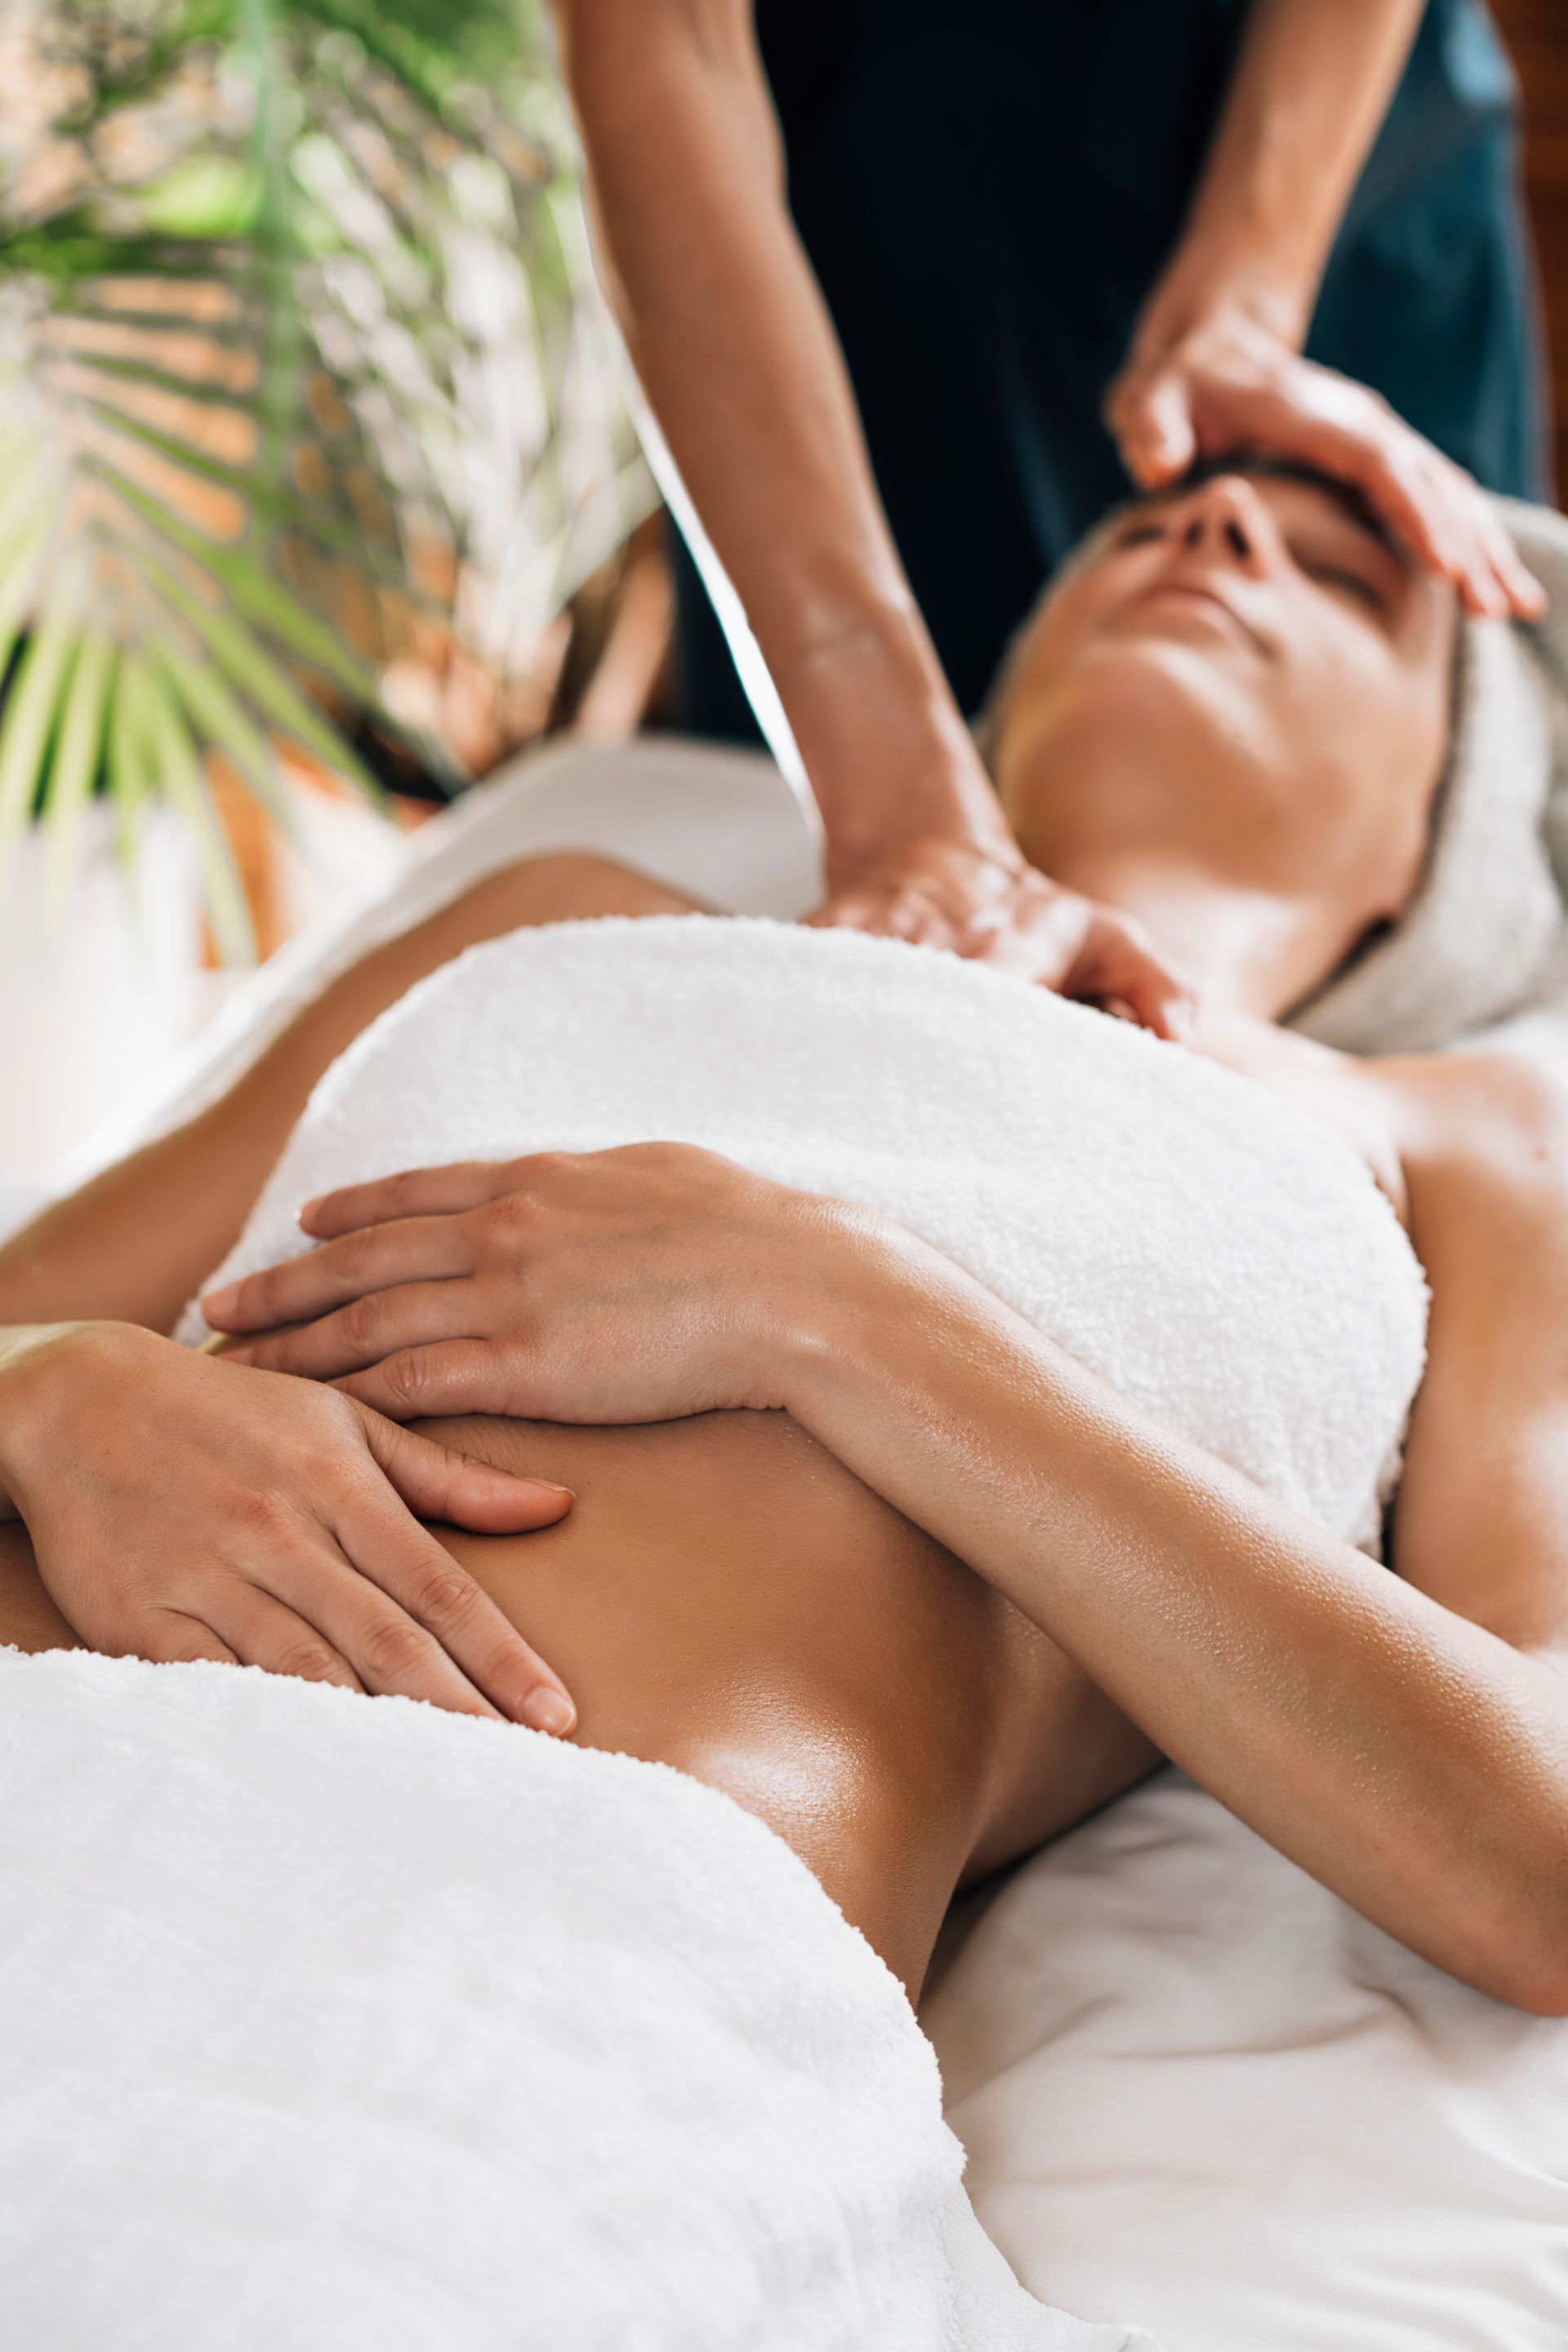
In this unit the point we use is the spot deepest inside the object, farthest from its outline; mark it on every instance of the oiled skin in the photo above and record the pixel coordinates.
(728, 1598)
(725, 1596)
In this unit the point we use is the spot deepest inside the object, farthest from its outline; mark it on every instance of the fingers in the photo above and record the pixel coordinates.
(347, 1617)
(367, 1259)
(1067, 942)
(1223, 392)
(1524, 594)
(1430, 505)
(1439, 514)
(262, 1631)
(171, 1638)
(1157, 1000)
(414, 1193)
(366, 1329)
(372, 1602)
(1152, 418)
(466, 1630)
(438, 1484)
(1115, 966)
(835, 915)
(884, 916)
(340, 1618)
(446, 1376)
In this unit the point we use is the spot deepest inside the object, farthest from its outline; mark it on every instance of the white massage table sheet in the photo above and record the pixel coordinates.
(1196, 2089)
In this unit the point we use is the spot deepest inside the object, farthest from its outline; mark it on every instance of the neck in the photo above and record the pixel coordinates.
(1242, 951)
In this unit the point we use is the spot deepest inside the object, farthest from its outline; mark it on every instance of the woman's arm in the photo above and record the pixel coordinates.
(1215, 361)
(1402, 1738)
(131, 1245)
(1405, 1738)
(178, 1510)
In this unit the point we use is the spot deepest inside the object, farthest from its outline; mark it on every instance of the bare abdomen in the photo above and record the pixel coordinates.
(726, 1597)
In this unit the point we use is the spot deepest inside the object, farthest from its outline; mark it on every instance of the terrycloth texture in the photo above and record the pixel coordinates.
(337, 2025)
(1170, 2043)
(720, 826)
(1223, 1260)
(1483, 935)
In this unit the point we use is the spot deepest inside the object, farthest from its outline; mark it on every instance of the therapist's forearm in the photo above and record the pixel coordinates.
(737, 354)
(1311, 87)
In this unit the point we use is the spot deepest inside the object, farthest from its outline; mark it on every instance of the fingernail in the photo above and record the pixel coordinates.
(219, 1303)
(237, 1355)
(549, 1710)
(309, 1208)
(549, 1487)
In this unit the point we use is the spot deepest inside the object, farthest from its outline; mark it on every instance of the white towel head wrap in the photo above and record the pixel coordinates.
(1484, 934)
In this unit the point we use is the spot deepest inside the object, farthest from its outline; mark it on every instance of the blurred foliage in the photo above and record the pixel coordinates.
(303, 386)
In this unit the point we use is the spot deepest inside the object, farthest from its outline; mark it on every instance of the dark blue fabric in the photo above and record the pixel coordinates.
(987, 190)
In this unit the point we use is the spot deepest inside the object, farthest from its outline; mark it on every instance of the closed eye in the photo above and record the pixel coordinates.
(1347, 582)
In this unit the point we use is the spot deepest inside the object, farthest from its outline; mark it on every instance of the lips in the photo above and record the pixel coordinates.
(1196, 597)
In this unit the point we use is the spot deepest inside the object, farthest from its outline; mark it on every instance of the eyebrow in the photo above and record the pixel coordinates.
(1350, 504)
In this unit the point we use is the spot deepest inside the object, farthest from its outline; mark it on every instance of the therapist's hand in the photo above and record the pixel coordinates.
(1224, 381)
(983, 899)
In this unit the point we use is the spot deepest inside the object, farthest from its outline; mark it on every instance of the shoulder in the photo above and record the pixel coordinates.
(1499, 1118)
(1482, 1519)
(1351, 1098)
(1483, 1141)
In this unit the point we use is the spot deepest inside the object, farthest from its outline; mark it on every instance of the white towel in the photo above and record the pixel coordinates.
(336, 2021)
(1484, 935)
(344, 2025)
(1223, 1259)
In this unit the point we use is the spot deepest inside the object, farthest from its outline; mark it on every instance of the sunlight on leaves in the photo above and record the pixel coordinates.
(307, 397)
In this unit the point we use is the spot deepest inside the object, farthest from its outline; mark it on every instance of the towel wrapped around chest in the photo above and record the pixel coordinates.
(334, 2022)
(1221, 1258)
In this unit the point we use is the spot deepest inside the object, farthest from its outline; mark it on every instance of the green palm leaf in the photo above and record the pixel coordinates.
(78, 750)
(293, 299)
(32, 710)
(178, 767)
(128, 759)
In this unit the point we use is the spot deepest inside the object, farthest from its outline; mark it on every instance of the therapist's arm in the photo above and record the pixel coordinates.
(1215, 360)
(736, 351)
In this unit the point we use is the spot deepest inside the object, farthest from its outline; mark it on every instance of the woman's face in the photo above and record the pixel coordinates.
(1241, 677)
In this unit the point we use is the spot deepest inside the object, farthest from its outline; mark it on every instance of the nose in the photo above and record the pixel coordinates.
(1225, 517)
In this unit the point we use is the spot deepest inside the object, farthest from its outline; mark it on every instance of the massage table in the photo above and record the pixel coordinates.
(1196, 2089)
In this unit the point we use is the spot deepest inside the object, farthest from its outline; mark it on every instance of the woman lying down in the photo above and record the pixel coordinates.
(967, 1400)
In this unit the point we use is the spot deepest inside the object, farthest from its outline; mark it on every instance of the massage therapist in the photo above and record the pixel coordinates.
(914, 287)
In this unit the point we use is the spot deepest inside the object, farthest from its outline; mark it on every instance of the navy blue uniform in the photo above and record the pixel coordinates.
(988, 191)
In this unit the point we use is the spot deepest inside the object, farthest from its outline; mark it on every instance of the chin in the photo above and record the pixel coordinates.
(1134, 705)
(1158, 672)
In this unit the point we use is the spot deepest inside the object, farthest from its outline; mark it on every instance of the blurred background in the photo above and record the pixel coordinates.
(320, 486)
(1536, 32)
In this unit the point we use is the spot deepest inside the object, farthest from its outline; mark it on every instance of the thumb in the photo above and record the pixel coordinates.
(438, 1484)
(1119, 962)
(1158, 442)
